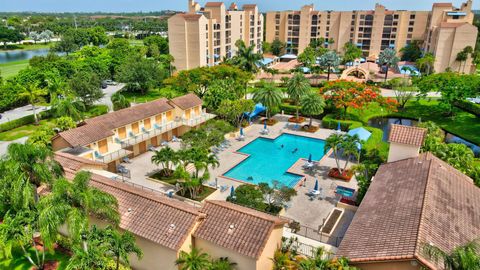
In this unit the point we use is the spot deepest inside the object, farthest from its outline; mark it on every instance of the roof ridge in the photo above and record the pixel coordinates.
(250, 211)
(425, 195)
(148, 195)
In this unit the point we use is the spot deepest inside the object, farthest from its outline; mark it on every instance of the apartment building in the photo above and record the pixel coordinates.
(204, 36)
(130, 132)
(445, 30)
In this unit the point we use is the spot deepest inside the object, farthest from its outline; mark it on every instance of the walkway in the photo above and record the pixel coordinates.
(20, 112)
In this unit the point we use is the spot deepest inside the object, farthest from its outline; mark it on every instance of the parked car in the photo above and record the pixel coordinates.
(110, 82)
(104, 85)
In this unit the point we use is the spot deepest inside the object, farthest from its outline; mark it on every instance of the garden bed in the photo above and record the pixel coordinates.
(346, 176)
(296, 120)
(270, 122)
(310, 129)
(206, 191)
(162, 176)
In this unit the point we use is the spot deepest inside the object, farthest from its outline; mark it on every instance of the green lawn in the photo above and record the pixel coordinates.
(8, 70)
(137, 97)
(26, 130)
(19, 262)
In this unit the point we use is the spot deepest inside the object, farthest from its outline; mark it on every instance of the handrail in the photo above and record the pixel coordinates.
(150, 133)
(120, 153)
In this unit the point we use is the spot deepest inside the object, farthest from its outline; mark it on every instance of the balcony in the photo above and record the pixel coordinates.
(147, 134)
(204, 117)
(111, 156)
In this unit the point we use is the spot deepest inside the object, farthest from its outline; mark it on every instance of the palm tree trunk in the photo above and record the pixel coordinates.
(328, 74)
(34, 113)
(296, 108)
(386, 74)
(117, 262)
(311, 120)
(335, 155)
(27, 255)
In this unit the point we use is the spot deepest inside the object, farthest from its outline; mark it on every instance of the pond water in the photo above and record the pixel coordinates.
(18, 55)
(383, 123)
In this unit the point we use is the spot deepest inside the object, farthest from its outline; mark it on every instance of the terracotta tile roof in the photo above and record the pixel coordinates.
(249, 6)
(101, 127)
(213, 4)
(237, 228)
(187, 101)
(69, 161)
(410, 203)
(442, 5)
(407, 135)
(190, 17)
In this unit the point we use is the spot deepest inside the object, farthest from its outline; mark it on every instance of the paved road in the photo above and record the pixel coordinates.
(391, 93)
(4, 144)
(109, 91)
(20, 112)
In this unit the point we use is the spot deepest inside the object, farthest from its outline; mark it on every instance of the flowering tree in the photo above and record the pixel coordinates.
(343, 94)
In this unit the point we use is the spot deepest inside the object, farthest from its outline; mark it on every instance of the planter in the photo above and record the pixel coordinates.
(296, 120)
(346, 176)
(49, 265)
(310, 129)
(270, 122)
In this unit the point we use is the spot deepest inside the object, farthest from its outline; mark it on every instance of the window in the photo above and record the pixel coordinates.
(277, 16)
(395, 16)
(409, 36)
(412, 17)
(410, 29)
(411, 23)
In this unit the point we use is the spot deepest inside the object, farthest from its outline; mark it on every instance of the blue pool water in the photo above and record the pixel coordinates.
(268, 161)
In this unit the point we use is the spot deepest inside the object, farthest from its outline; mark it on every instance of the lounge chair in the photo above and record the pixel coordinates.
(264, 131)
(157, 126)
(241, 138)
(164, 143)
(223, 188)
(117, 140)
(126, 160)
(131, 134)
(151, 148)
(98, 155)
(144, 130)
(175, 139)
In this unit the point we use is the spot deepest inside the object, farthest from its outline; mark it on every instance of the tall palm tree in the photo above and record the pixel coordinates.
(426, 63)
(388, 58)
(121, 245)
(269, 96)
(36, 162)
(167, 157)
(246, 57)
(55, 85)
(297, 87)
(329, 60)
(222, 264)
(461, 258)
(312, 104)
(71, 203)
(119, 101)
(461, 57)
(194, 260)
(92, 258)
(350, 148)
(33, 94)
(68, 106)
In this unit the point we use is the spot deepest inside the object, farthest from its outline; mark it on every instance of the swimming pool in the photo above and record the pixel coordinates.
(268, 161)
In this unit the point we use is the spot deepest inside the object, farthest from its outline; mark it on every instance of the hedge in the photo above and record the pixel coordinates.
(330, 122)
(288, 108)
(469, 107)
(26, 120)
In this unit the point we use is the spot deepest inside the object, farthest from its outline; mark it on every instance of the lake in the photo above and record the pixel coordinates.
(384, 123)
(18, 55)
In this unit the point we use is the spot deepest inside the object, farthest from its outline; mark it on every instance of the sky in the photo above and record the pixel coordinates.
(181, 5)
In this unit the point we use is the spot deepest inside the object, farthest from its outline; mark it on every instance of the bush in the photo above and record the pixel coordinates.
(26, 120)
(287, 108)
(330, 122)
(469, 107)
(96, 110)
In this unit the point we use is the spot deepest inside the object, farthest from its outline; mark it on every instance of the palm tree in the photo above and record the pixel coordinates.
(33, 94)
(329, 60)
(461, 57)
(167, 157)
(349, 146)
(297, 87)
(269, 96)
(222, 264)
(121, 245)
(68, 106)
(426, 63)
(334, 142)
(406, 69)
(36, 162)
(119, 101)
(312, 104)
(282, 261)
(388, 58)
(194, 260)
(71, 203)
(92, 258)
(56, 86)
(461, 258)
(246, 58)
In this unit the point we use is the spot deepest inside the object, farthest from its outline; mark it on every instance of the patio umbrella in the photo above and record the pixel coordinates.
(232, 192)
(316, 185)
(310, 158)
(241, 131)
(265, 124)
(339, 128)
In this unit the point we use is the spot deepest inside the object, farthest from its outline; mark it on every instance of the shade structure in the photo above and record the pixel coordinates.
(265, 124)
(232, 191)
(339, 127)
(310, 158)
(316, 185)
(241, 131)
(362, 133)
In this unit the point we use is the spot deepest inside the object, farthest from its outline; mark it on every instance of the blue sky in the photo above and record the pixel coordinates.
(155, 5)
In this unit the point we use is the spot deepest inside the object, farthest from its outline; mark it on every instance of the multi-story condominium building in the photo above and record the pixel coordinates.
(204, 36)
(130, 132)
(444, 31)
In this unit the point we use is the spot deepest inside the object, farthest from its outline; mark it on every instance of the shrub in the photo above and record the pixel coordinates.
(469, 107)
(330, 122)
(26, 120)
(96, 110)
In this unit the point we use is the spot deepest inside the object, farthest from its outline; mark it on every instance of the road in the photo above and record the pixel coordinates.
(109, 91)
(4, 144)
(20, 112)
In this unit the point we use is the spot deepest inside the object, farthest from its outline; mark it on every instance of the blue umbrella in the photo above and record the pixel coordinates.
(339, 128)
(265, 124)
(310, 158)
(241, 131)
(316, 185)
(232, 191)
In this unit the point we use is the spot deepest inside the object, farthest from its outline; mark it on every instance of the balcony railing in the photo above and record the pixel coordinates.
(198, 120)
(109, 157)
(147, 134)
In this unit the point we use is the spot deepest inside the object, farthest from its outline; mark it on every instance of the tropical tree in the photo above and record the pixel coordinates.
(461, 258)
(351, 52)
(308, 57)
(55, 85)
(277, 47)
(269, 96)
(412, 51)
(462, 57)
(297, 87)
(194, 260)
(33, 94)
(120, 245)
(425, 63)
(222, 264)
(246, 59)
(65, 123)
(91, 258)
(343, 145)
(68, 106)
(42, 137)
(276, 195)
(167, 157)
(86, 86)
(119, 101)
(36, 162)
(141, 74)
(312, 104)
(388, 58)
(330, 60)
(71, 203)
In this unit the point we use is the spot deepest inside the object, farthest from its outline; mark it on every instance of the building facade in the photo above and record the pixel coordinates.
(444, 31)
(204, 36)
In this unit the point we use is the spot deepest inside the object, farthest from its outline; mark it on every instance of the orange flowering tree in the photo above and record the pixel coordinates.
(344, 94)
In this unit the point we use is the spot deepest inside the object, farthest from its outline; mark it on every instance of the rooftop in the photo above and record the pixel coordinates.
(187, 101)
(410, 203)
(407, 135)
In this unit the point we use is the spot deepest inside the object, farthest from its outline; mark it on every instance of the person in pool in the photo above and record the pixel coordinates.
(294, 150)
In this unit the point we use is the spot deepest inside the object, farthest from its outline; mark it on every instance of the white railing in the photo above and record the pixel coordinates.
(198, 119)
(115, 155)
(155, 131)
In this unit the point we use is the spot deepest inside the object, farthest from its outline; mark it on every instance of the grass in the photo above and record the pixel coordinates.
(10, 69)
(137, 97)
(26, 130)
(19, 262)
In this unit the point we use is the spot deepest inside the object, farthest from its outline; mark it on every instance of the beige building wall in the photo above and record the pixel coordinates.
(274, 242)
(399, 151)
(215, 251)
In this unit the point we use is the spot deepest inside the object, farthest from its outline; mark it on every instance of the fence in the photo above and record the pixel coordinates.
(314, 234)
